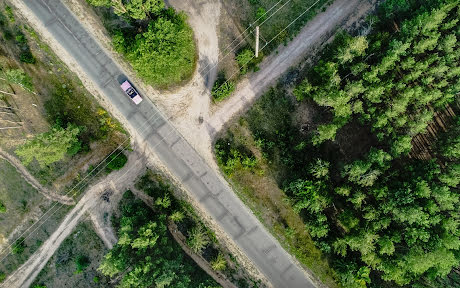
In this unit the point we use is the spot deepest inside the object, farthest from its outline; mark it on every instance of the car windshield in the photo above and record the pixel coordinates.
(131, 92)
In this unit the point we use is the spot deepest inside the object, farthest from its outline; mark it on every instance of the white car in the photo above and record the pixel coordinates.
(131, 92)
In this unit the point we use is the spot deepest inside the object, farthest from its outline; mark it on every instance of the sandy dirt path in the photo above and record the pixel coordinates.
(122, 179)
(340, 14)
(33, 182)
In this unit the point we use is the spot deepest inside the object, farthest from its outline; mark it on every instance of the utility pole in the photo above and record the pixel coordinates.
(257, 41)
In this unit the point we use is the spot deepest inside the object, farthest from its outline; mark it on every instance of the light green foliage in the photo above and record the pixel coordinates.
(164, 53)
(136, 9)
(244, 58)
(231, 158)
(177, 216)
(49, 147)
(221, 91)
(164, 202)
(320, 169)
(18, 76)
(261, 14)
(325, 132)
(219, 264)
(2, 207)
(197, 239)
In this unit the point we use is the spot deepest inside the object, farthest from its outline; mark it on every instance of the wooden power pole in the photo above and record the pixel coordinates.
(257, 41)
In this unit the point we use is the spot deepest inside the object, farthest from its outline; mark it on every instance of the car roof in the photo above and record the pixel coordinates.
(125, 85)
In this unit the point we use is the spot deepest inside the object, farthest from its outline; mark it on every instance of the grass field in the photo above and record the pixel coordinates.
(17, 196)
(23, 205)
(62, 271)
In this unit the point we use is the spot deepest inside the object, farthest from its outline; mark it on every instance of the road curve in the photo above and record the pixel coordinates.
(201, 181)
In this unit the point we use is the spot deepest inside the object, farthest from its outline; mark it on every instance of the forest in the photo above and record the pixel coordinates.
(146, 255)
(383, 215)
(156, 41)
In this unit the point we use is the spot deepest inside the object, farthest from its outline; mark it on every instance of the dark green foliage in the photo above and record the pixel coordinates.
(393, 83)
(18, 246)
(2, 207)
(27, 57)
(384, 219)
(230, 158)
(81, 263)
(146, 247)
(66, 106)
(2, 277)
(10, 14)
(116, 161)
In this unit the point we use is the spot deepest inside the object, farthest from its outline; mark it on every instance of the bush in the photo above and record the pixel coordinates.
(164, 54)
(221, 91)
(18, 246)
(219, 264)
(116, 161)
(2, 276)
(18, 76)
(27, 57)
(2, 207)
(82, 262)
(197, 240)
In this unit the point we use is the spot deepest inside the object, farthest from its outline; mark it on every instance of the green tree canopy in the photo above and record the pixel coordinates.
(50, 147)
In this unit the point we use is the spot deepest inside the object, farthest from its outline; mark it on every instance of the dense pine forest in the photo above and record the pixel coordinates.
(384, 215)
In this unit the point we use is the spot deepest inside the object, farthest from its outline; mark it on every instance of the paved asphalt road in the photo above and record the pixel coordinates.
(178, 156)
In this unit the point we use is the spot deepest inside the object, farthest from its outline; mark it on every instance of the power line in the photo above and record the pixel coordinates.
(267, 43)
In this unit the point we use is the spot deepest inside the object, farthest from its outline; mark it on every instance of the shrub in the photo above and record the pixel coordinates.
(197, 239)
(221, 91)
(162, 55)
(2, 276)
(27, 57)
(116, 161)
(18, 76)
(2, 207)
(18, 246)
(219, 264)
(82, 262)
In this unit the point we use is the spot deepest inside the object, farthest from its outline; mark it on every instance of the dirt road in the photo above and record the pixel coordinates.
(122, 179)
(33, 182)
(341, 14)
